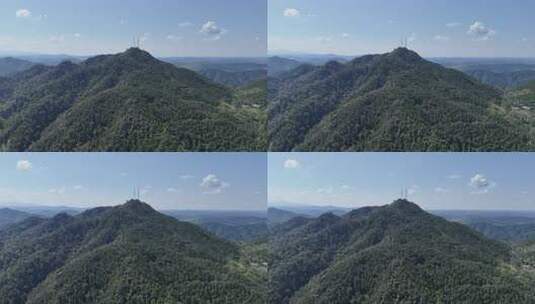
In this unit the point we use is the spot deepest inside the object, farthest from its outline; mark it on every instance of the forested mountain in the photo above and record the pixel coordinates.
(503, 80)
(396, 253)
(391, 102)
(234, 79)
(124, 102)
(10, 65)
(10, 216)
(124, 254)
(278, 65)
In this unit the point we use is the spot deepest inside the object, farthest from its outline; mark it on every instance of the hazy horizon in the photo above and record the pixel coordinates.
(434, 181)
(477, 28)
(166, 181)
(167, 29)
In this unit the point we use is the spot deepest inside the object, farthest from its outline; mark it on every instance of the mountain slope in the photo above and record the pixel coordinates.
(234, 79)
(392, 254)
(9, 216)
(124, 254)
(9, 65)
(125, 102)
(391, 102)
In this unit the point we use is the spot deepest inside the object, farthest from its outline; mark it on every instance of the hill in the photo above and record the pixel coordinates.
(390, 102)
(234, 79)
(10, 216)
(503, 80)
(124, 102)
(278, 65)
(10, 65)
(396, 253)
(123, 254)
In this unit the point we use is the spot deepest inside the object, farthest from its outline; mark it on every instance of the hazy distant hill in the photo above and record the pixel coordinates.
(124, 254)
(10, 216)
(234, 79)
(511, 226)
(230, 225)
(277, 65)
(391, 102)
(124, 102)
(396, 253)
(10, 65)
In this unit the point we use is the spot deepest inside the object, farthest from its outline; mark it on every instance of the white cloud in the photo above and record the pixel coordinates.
(325, 190)
(78, 187)
(453, 24)
(441, 38)
(324, 39)
(145, 190)
(23, 13)
(291, 164)
(291, 12)
(454, 176)
(441, 190)
(345, 35)
(186, 176)
(212, 30)
(173, 37)
(212, 184)
(24, 165)
(480, 31)
(77, 35)
(59, 191)
(524, 39)
(346, 187)
(185, 24)
(144, 37)
(57, 38)
(412, 37)
(171, 189)
(413, 189)
(481, 183)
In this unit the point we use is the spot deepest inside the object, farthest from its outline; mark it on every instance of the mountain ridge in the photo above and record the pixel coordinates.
(395, 253)
(396, 101)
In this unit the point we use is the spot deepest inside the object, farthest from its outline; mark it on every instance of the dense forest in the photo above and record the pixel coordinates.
(125, 254)
(391, 102)
(396, 253)
(125, 102)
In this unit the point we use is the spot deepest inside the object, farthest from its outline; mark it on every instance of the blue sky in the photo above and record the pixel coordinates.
(167, 28)
(433, 180)
(166, 181)
(448, 28)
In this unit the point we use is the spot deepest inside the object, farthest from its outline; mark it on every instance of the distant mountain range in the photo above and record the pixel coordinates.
(124, 102)
(396, 253)
(124, 254)
(10, 66)
(390, 102)
(10, 216)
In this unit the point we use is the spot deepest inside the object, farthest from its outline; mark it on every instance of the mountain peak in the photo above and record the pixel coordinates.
(138, 54)
(405, 205)
(137, 207)
(405, 54)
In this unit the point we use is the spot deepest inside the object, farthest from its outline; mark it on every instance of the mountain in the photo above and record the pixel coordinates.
(124, 254)
(523, 95)
(233, 79)
(503, 80)
(278, 216)
(396, 253)
(390, 102)
(10, 65)
(10, 216)
(509, 226)
(230, 225)
(278, 65)
(124, 102)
